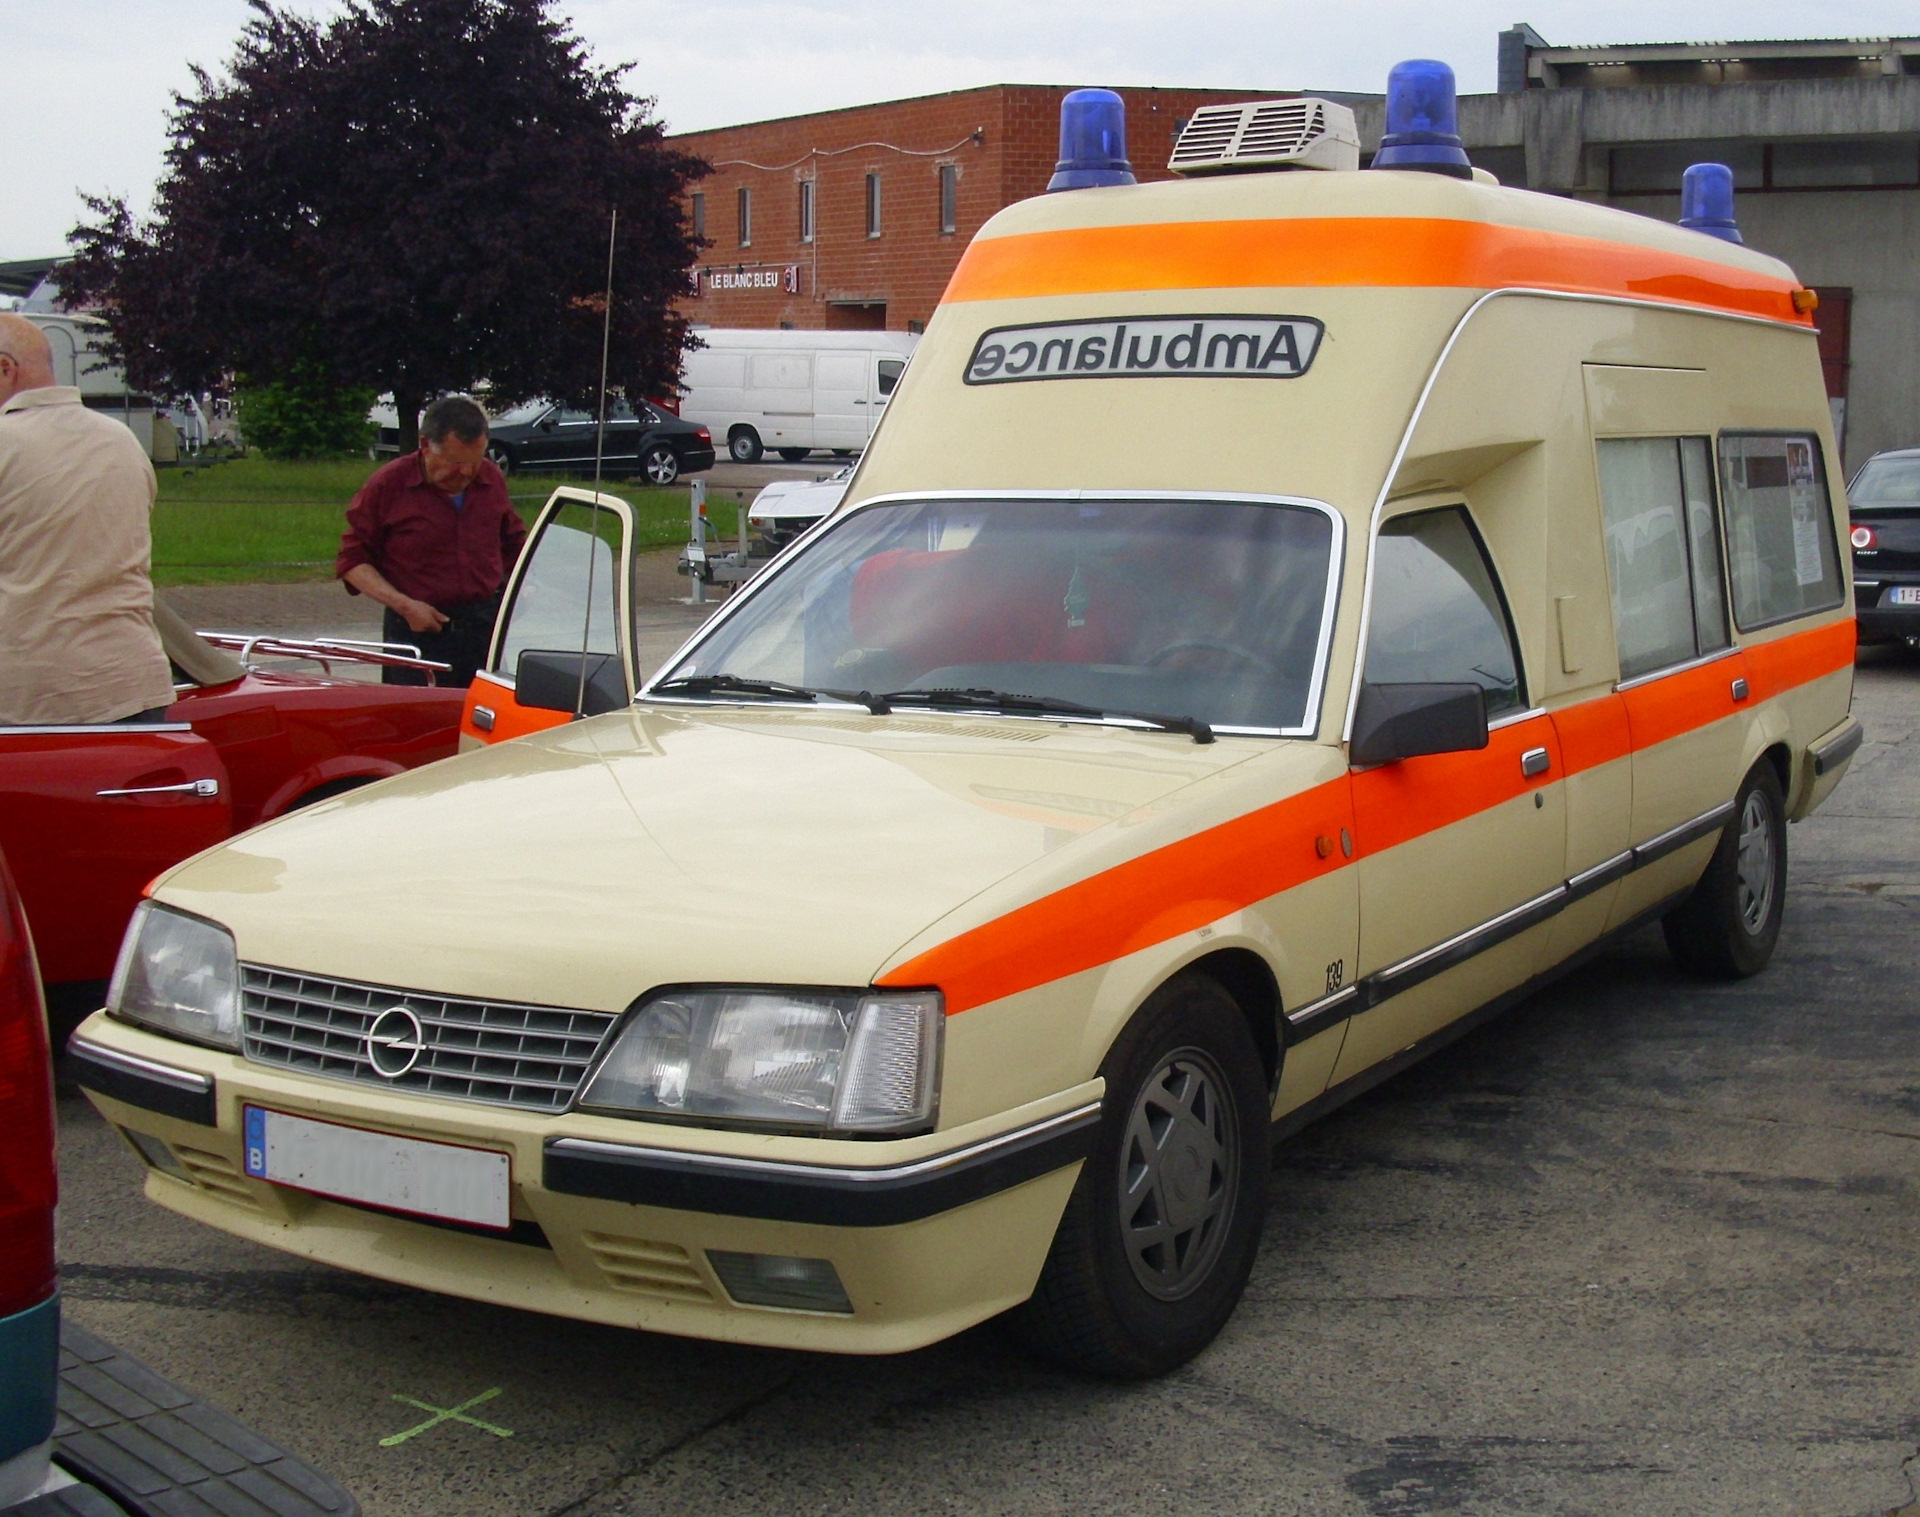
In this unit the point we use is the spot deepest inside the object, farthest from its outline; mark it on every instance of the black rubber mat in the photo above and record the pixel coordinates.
(160, 1451)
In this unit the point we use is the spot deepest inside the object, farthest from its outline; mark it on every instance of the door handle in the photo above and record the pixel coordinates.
(1535, 761)
(191, 787)
(483, 718)
(1739, 689)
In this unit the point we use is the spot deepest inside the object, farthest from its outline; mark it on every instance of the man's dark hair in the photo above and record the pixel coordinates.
(453, 414)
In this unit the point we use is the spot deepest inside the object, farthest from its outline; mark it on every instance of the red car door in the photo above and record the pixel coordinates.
(88, 815)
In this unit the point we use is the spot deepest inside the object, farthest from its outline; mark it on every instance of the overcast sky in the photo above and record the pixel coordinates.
(89, 81)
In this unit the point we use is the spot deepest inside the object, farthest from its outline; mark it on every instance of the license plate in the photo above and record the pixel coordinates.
(1904, 595)
(440, 1180)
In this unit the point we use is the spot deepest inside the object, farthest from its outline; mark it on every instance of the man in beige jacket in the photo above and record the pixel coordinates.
(77, 639)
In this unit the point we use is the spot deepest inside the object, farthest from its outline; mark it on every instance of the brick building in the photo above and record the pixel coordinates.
(854, 219)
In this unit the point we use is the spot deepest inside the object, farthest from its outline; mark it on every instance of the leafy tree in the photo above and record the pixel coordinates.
(411, 197)
(305, 415)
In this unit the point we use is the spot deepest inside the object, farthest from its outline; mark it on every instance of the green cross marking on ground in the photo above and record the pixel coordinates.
(447, 1414)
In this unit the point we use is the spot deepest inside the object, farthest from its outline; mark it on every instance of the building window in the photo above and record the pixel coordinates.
(699, 215)
(873, 205)
(806, 210)
(949, 197)
(746, 217)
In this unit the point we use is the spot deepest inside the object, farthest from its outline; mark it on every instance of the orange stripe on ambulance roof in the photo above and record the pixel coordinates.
(1134, 905)
(1385, 251)
(1199, 879)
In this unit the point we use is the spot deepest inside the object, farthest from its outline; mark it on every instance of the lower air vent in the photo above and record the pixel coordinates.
(211, 1172)
(634, 1265)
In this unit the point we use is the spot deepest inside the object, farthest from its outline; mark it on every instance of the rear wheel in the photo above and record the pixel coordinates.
(661, 463)
(743, 446)
(794, 455)
(1729, 925)
(501, 457)
(1160, 1233)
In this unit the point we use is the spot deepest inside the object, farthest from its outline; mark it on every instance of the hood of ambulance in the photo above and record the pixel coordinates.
(586, 865)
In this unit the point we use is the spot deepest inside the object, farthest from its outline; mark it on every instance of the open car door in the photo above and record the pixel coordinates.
(88, 816)
(571, 594)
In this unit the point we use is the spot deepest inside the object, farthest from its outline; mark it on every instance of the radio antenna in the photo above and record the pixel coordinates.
(599, 453)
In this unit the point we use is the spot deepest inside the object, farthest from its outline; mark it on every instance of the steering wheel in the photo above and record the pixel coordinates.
(1234, 651)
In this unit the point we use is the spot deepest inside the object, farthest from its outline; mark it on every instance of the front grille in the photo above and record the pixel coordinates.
(532, 1057)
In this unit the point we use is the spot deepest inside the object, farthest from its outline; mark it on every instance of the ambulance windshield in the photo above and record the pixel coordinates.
(1215, 610)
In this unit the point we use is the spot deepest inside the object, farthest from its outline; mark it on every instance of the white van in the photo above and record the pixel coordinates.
(791, 391)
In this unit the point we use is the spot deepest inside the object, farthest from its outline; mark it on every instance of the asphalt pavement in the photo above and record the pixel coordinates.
(1645, 1244)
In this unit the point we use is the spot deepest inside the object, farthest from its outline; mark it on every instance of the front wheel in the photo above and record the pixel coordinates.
(502, 459)
(743, 447)
(661, 463)
(1728, 927)
(1160, 1233)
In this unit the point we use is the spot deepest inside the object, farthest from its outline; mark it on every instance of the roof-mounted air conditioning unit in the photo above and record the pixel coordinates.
(1267, 134)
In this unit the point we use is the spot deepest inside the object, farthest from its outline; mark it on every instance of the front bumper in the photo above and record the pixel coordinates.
(613, 1220)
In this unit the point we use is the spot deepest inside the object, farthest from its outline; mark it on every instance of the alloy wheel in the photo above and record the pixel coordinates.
(1178, 1174)
(1754, 868)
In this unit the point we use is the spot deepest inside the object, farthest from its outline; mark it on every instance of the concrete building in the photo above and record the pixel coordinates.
(856, 218)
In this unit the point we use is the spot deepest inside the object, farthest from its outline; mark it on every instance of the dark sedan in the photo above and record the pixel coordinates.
(641, 439)
(1884, 503)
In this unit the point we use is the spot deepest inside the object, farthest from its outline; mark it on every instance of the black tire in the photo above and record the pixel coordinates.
(1728, 927)
(502, 457)
(843, 452)
(1130, 1307)
(793, 455)
(660, 464)
(743, 446)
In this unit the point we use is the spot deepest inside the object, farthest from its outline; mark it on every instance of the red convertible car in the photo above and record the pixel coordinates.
(88, 815)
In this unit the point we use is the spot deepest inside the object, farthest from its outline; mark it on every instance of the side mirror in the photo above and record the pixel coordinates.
(1396, 722)
(549, 680)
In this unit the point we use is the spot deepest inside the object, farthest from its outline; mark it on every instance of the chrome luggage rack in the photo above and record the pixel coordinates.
(324, 651)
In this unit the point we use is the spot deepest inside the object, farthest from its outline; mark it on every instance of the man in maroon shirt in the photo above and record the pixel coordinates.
(432, 536)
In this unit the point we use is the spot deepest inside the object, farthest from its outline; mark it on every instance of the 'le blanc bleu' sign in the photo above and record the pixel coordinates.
(1158, 347)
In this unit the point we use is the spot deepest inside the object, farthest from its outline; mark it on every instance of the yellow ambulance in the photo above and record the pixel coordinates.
(1289, 613)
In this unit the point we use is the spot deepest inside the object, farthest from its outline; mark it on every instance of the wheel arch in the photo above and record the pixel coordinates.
(1249, 980)
(333, 776)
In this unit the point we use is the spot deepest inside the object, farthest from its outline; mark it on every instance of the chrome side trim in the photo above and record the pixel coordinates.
(777, 1169)
(133, 1064)
(1458, 949)
(1676, 838)
(1693, 663)
(1514, 718)
(1604, 873)
(1316, 1016)
(102, 729)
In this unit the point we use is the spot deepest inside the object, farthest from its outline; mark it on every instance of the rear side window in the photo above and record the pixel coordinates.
(1780, 543)
(890, 371)
(1663, 550)
(1438, 616)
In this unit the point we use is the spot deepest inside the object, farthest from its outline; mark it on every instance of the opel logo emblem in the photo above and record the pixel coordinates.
(395, 1042)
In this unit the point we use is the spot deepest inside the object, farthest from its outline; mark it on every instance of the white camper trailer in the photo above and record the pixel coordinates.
(791, 392)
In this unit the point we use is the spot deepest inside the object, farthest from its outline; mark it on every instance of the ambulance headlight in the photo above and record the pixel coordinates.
(841, 1061)
(178, 975)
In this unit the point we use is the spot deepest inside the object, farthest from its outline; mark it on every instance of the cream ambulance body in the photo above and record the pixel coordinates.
(1575, 463)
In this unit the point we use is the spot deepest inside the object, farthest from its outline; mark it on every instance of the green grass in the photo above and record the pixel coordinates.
(253, 520)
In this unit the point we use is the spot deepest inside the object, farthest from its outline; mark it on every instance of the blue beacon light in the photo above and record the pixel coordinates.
(1093, 142)
(1706, 201)
(1422, 126)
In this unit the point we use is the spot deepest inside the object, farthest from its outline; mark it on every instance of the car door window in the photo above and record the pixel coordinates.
(890, 371)
(1663, 551)
(1438, 616)
(1779, 527)
(577, 548)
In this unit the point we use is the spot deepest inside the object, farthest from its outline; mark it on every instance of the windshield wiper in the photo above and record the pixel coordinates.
(732, 684)
(974, 699)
